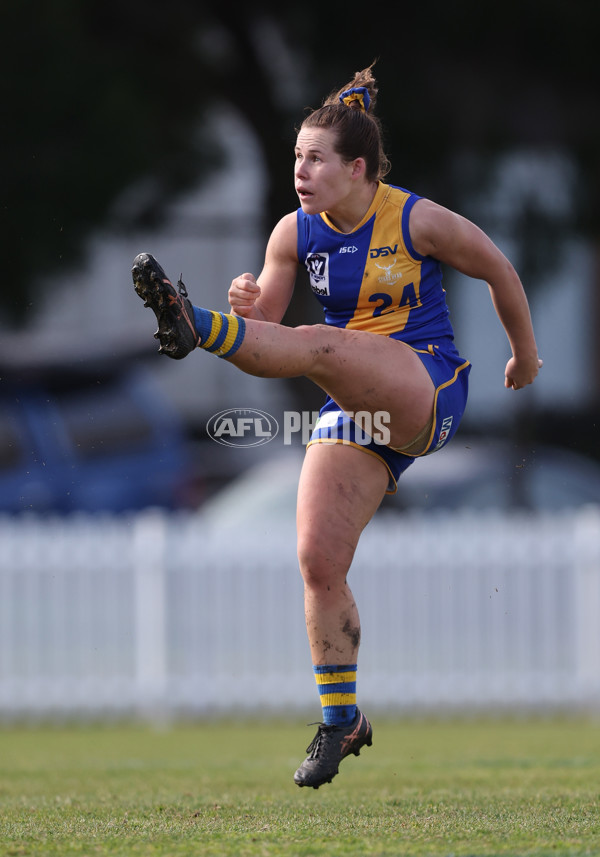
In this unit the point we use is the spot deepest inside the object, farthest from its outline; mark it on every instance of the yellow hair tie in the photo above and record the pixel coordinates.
(357, 93)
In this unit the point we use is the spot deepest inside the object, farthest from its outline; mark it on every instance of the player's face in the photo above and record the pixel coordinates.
(322, 180)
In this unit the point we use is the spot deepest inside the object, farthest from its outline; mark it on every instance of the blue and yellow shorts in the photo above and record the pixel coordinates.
(450, 375)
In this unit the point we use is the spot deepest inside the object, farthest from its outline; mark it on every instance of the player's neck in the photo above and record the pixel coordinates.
(350, 212)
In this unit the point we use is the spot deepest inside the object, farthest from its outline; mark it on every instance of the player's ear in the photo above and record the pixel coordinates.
(359, 168)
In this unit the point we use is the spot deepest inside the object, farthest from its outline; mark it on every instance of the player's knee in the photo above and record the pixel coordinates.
(314, 332)
(310, 563)
(318, 567)
(317, 340)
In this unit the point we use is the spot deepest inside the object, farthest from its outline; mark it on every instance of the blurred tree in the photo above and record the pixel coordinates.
(465, 83)
(106, 95)
(92, 102)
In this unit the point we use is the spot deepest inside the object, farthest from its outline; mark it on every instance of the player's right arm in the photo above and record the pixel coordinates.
(268, 297)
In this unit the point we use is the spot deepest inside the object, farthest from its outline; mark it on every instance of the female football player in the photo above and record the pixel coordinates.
(384, 356)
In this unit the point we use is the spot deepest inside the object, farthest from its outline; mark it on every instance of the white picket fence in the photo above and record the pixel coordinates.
(163, 615)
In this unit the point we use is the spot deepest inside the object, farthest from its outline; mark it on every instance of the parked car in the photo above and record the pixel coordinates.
(98, 438)
(469, 473)
(499, 474)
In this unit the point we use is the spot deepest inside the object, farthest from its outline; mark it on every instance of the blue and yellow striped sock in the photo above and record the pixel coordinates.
(220, 333)
(337, 689)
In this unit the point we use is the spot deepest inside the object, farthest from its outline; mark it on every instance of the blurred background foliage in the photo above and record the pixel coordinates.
(103, 96)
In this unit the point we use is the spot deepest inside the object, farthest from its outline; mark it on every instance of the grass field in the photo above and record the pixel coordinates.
(424, 788)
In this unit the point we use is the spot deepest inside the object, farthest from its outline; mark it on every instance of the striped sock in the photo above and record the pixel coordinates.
(337, 689)
(219, 333)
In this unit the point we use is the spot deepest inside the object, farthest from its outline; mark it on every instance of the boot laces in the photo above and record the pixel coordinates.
(182, 287)
(315, 745)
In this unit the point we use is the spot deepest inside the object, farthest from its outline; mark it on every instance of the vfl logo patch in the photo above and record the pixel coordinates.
(317, 265)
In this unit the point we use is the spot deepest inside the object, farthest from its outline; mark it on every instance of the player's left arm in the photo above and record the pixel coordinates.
(436, 231)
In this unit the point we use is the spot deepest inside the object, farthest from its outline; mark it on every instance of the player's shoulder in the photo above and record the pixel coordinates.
(284, 237)
(287, 226)
(397, 195)
(430, 225)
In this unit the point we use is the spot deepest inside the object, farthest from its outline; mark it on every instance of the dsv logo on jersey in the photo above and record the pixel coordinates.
(242, 427)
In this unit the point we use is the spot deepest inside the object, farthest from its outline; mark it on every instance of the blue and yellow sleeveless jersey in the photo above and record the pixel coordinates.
(372, 278)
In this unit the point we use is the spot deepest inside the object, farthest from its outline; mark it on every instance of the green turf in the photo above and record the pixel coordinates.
(527, 787)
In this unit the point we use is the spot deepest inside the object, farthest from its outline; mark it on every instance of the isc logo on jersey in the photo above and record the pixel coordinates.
(317, 265)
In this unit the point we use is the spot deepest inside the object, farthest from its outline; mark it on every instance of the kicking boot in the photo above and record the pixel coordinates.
(174, 313)
(330, 745)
